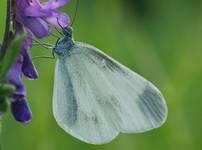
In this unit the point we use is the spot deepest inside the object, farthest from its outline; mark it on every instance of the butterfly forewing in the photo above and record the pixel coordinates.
(95, 97)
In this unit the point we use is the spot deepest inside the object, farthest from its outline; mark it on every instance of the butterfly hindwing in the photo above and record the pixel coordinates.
(95, 97)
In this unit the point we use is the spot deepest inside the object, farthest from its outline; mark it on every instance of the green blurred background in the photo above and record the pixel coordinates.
(159, 39)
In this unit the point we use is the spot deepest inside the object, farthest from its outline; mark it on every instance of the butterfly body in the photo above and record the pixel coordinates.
(95, 97)
(63, 45)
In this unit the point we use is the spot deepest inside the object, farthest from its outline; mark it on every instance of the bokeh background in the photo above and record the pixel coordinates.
(159, 39)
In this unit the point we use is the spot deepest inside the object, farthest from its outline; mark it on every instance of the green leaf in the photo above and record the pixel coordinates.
(11, 55)
(6, 89)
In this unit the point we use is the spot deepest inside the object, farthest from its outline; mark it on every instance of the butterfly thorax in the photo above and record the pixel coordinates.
(63, 45)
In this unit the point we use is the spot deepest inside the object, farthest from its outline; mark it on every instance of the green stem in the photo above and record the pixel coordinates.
(6, 37)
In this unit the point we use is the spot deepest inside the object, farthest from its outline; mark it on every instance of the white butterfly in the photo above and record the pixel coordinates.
(95, 97)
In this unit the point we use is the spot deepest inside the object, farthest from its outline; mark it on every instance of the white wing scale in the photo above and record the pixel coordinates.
(95, 97)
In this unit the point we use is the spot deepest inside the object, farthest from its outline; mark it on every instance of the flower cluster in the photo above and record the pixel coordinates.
(36, 18)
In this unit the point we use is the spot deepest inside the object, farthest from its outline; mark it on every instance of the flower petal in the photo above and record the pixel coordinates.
(35, 16)
(28, 67)
(21, 111)
(61, 19)
(37, 26)
(37, 12)
(35, 3)
(15, 77)
(54, 4)
(22, 4)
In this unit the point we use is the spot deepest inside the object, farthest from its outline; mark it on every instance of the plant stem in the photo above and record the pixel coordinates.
(6, 37)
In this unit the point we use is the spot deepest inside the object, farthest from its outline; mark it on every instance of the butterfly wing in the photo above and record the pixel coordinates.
(95, 97)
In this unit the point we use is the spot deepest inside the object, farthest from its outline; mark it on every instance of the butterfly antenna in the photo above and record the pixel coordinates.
(45, 45)
(58, 31)
(55, 35)
(44, 57)
(59, 24)
(76, 12)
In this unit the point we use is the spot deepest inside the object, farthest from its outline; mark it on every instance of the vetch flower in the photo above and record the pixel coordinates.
(36, 16)
(28, 67)
(23, 65)
(21, 111)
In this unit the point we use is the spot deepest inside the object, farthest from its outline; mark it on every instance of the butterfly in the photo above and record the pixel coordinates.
(95, 97)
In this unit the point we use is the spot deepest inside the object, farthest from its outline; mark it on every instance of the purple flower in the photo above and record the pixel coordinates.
(21, 111)
(36, 16)
(28, 68)
(35, 19)
(23, 65)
